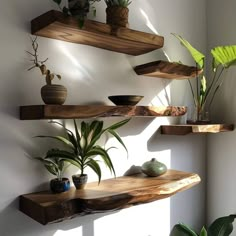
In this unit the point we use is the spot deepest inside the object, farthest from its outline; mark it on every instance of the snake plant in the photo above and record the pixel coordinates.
(82, 148)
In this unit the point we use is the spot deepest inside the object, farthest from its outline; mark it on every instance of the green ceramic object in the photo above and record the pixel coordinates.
(154, 168)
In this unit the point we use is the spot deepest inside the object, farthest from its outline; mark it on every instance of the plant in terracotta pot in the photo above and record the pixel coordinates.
(56, 166)
(77, 8)
(117, 12)
(50, 93)
(82, 148)
(222, 226)
(204, 90)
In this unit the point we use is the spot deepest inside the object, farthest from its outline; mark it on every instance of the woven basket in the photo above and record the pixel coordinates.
(117, 16)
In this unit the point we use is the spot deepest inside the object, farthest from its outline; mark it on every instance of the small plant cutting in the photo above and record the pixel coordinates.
(77, 8)
(222, 226)
(204, 91)
(50, 93)
(82, 148)
(56, 166)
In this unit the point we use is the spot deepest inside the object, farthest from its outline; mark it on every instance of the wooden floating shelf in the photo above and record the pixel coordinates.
(36, 112)
(111, 194)
(54, 24)
(187, 129)
(167, 70)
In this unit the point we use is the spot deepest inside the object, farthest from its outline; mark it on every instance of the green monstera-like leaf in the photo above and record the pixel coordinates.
(224, 55)
(197, 56)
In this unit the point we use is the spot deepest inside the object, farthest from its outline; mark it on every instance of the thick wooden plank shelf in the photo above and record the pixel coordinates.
(167, 70)
(111, 194)
(187, 129)
(54, 24)
(36, 112)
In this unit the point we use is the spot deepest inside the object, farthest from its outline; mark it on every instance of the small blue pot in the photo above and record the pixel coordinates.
(60, 186)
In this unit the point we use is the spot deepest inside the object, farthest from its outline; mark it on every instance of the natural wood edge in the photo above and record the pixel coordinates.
(35, 112)
(53, 24)
(126, 191)
(187, 129)
(167, 70)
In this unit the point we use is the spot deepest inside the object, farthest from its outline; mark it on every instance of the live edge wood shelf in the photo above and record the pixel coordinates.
(187, 129)
(54, 24)
(36, 112)
(110, 195)
(167, 70)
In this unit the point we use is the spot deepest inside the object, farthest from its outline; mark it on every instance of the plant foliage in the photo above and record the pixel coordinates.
(222, 58)
(222, 226)
(49, 76)
(120, 3)
(82, 148)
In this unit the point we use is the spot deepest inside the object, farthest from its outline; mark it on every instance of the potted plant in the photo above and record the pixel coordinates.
(220, 227)
(117, 12)
(50, 93)
(77, 8)
(223, 57)
(82, 148)
(56, 166)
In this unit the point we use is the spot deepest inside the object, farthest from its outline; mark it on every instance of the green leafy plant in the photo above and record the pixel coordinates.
(77, 8)
(222, 226)
(53, 163)
(83, 148)
(120, 3)
(49, 76)
(223, 57)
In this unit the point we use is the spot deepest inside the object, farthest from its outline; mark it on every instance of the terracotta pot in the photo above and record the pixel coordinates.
(53, 94)
(80, 181)
(117, 16)
(154, 168)
(59, 186)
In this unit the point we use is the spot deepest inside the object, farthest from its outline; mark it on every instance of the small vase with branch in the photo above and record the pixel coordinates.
(50, 93)
(204, 91)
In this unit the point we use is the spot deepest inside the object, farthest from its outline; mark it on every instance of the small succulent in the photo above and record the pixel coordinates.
(120, 3)
(77, 8)
(49, 76)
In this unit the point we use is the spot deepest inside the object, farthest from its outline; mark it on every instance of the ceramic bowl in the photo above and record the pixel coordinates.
(121, 100)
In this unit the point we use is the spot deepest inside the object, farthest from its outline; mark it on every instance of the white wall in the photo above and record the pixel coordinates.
(221, 148)
(91, 74)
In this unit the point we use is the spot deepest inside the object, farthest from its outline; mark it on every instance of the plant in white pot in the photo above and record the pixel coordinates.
(56, 166)
(204, 91)
(50, 93)
(82, 148)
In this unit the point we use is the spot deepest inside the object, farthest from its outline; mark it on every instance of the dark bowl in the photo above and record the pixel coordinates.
(121, 100)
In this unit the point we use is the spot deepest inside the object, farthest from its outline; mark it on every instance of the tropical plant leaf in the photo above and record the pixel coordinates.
(182, 230)
(112, 132)
(203, 232)
(222, 226)
(95, 167)
(198, 57)
(224, 55)
(59, 138)
(57, 1)
(118, 124)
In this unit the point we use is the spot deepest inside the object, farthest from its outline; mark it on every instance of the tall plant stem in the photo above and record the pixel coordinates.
(191, 87)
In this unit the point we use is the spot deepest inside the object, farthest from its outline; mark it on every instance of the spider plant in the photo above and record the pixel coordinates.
(82, 146)
(220, 227)
(223, 57)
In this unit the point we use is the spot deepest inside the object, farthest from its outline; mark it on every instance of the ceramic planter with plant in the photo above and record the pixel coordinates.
(82, 148)
(117, 12)
(204, 90)
(222, 226)
(50, 93)
(77, 8)
(56, 166)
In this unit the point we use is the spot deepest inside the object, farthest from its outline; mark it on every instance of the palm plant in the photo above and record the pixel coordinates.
(220, 227)
(83, 148)
(223, 57)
